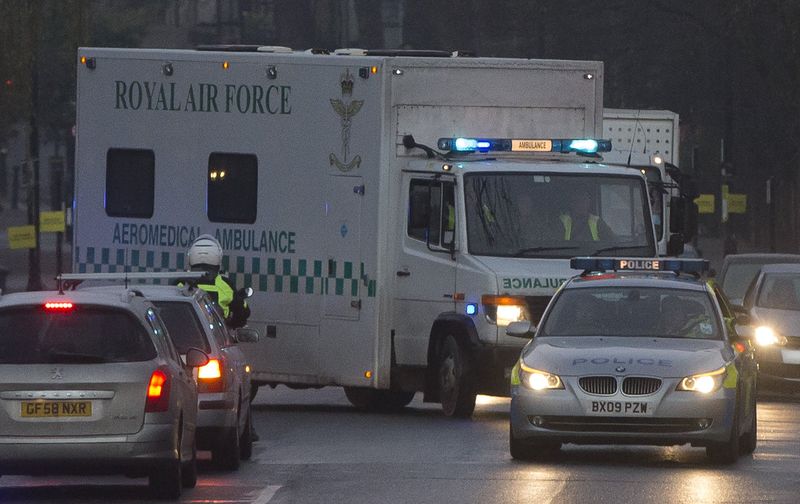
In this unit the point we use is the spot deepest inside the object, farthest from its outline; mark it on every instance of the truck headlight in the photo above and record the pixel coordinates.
(766, 336)
(704, 383)
(502, 310)
(538, 380)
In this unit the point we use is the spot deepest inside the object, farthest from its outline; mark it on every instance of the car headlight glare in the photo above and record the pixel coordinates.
(539, 380)
(704, 383)
(766, 336)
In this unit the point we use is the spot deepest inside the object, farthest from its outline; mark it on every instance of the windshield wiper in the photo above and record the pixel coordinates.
(60, 357)
(530, 250)
(616, 248)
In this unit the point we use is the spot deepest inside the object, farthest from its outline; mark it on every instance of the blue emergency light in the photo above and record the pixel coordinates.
(561, 145)
(590, 264)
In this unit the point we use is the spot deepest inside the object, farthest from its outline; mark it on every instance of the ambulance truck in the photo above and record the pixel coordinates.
(649, 140)
(393, 211)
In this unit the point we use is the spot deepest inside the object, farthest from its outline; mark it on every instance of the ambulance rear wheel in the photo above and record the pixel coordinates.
(456, 379)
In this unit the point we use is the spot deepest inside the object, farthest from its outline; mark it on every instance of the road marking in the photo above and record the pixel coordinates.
(267, 494)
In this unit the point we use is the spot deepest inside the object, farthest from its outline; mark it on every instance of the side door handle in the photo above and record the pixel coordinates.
(403, 273)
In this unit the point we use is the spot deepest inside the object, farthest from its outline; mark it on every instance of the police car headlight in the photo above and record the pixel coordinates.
(538, 380)
(704, 383)
(502, 310)
(766, 336)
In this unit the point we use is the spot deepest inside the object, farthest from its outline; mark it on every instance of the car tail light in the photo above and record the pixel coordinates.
(210, 378)
(157, 392)
(59, 306)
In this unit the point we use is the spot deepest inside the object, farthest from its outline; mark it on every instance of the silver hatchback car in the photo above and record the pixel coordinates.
(224, 423)
(90, 382)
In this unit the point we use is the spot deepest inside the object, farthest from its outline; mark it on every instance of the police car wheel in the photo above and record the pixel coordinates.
(456, 380)
(726, 452)
(749, 440)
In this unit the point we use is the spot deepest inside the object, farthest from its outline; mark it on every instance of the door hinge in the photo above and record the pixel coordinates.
(356, 303)
(359, 189)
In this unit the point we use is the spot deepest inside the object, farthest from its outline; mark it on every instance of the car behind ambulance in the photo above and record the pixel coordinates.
(640, 357)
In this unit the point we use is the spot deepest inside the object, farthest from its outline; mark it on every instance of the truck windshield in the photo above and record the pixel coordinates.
(557, 215)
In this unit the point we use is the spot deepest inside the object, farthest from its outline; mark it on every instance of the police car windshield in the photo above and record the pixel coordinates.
(556, 214)
(632, 311)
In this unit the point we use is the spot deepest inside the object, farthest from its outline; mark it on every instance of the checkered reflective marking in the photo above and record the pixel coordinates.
(267, 274)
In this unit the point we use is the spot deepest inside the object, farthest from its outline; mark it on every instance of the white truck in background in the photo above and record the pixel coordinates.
(393, 211)
(650, 140)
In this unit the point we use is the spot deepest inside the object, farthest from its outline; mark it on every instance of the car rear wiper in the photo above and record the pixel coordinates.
(62, 357)
(616, 248)
(530, 250)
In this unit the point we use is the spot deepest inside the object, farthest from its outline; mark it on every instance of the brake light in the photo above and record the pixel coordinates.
(157, 392)
(210, 378)
(59, 306)
(210, 371)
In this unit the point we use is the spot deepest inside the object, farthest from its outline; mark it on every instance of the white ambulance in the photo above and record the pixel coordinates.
(393, 211)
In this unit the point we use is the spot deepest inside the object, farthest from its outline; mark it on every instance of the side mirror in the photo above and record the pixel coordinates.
(675, 244)
(521, 329)
(246, 335)
(196, 358)
(743, 318)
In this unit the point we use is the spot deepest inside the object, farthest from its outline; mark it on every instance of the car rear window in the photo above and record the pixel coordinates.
(183, 325)
(633, 311)
(82, 334)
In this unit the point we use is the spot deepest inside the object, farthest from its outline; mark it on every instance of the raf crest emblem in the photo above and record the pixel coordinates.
(346, 111)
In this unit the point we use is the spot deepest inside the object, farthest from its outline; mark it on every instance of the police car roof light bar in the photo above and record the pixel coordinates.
(602, 264)
(558, 145)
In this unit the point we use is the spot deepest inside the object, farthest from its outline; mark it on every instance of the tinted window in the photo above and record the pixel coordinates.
(629, 311)
(780, 291)
(232, 187)
(738, 277)
(130, 183)
(183, 325)
(31, 335)
(431, 208)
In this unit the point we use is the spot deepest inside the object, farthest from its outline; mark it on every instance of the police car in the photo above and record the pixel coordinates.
(634, 351)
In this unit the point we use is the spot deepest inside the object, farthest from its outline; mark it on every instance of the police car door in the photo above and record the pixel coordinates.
(426, 271)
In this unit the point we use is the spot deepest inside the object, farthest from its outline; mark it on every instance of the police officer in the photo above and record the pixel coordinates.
(580, 223)
(205, 254)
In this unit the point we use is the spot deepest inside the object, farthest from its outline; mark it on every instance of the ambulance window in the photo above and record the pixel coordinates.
(130, 182)
(232, 187)
(431, 209)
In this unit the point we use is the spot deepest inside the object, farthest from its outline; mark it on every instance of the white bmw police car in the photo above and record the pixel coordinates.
(634, 351)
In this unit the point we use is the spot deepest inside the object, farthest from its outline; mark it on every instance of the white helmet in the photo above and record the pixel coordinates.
(205, 250)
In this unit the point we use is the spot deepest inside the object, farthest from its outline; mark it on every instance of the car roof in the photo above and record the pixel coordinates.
(781, 268)
(127, 299)
(665, 280)
(152, 292)
(765, 258)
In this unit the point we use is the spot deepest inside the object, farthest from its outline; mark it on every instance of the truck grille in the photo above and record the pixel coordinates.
(598, 385)
(640, 386)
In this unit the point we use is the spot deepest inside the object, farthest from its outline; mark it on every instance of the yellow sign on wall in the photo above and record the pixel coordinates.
(52, 222)
(737, 203)
(705, 203)
(22, 237)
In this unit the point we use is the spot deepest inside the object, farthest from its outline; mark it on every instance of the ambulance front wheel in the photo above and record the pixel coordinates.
(456, 379)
